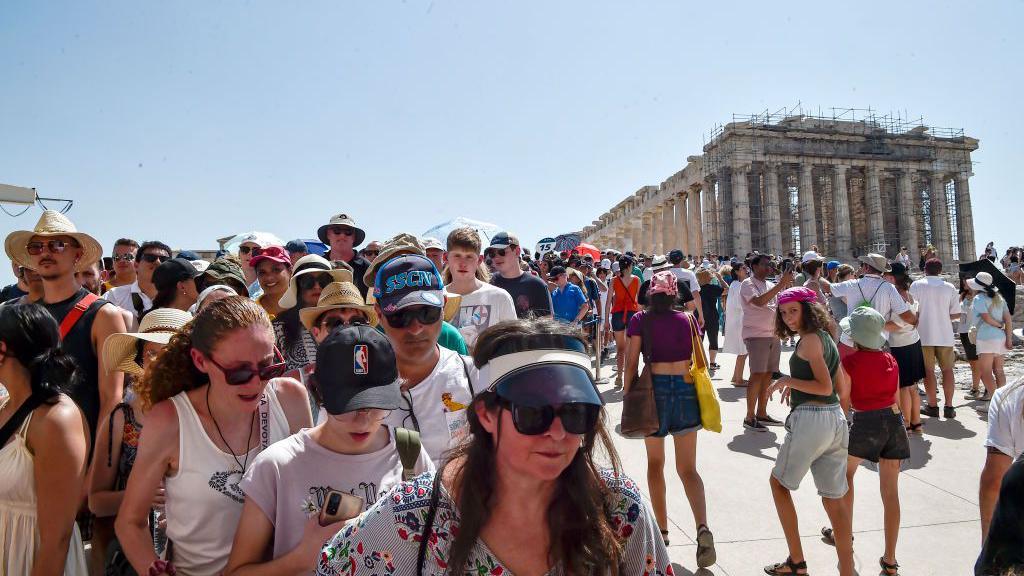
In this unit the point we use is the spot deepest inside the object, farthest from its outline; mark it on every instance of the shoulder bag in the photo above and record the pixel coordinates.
(639, 412)
(710, 411)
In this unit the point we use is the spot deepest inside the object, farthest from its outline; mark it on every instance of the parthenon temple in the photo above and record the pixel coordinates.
(849, 183)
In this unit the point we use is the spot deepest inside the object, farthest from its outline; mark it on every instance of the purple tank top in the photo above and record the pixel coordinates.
(670, 335)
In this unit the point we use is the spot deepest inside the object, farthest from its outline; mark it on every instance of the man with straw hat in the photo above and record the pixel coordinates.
(56, 250)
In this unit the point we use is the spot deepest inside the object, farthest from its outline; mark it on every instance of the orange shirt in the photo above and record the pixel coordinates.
(625, 296)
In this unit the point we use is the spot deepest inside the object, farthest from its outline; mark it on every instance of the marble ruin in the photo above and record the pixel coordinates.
(781, 183)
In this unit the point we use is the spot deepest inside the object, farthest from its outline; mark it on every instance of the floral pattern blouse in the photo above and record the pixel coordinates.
(385, 539)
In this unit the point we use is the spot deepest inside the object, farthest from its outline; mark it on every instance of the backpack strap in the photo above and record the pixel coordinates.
(408, 442)
(138, 305)
(76, 313)
(465, 370)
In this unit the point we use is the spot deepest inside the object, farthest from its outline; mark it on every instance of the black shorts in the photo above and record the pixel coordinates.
(618, 322)
(879, 434)
(969, 349)
(711, 334)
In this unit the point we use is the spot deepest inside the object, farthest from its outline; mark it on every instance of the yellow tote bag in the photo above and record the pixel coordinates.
(710, 411)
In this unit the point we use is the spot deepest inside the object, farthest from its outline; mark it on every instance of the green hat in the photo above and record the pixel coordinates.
(226, 268)
(864, 326)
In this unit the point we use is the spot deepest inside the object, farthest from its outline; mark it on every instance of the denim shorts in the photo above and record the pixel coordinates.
(620, 320)
(817, 440)
(678, 410)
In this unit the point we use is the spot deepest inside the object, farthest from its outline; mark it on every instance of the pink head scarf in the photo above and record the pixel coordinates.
(663, 282)
(797, 294)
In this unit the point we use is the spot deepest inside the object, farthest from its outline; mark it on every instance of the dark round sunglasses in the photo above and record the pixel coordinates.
(306, 281)
(244, 374)
(577, 418)
(54, 246)
(334, 321)
(425, 315)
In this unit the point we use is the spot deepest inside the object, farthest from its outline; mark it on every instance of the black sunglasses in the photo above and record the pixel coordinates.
(577, 418)
(492, 252)
(306, 281)
(154, 257)
(54, 246)
(425, 315)
(243, 375)
(341, 230)
(334, 321)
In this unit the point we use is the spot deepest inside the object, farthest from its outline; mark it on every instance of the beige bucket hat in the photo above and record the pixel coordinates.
(157, 326)
(876, 261)
(310, 264)
(52, 223)
(341, 220)
(335, 296)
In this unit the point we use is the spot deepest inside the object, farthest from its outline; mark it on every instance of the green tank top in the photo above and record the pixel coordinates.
(801, 369)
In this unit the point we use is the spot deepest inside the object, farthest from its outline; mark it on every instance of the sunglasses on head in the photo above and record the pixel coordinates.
(341, 230)
(577, 418)
(150, 258)
(54, 247)
(244, 374)
(425, 315)
(123, 257)
(306, 281)
(335, 321)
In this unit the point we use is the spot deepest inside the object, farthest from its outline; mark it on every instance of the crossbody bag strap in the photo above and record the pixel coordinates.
(465, 370)
(76, 313)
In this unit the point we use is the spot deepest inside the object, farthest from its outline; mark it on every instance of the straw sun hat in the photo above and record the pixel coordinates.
(157, 326)
(52, 223)
(335, 296)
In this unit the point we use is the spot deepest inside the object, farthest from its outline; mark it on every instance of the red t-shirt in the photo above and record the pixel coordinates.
(874, 379)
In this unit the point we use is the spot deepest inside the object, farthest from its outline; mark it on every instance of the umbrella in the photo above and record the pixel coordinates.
(1005, 286)
(486, 230)
(584, 249)
(262, 238)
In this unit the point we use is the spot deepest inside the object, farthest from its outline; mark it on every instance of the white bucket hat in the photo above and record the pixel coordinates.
(310, 264)
(157, 326)
(52, 223)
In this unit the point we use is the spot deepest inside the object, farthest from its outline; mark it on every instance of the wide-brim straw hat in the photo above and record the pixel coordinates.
(335, 296)
(403, 243)
(119, 350)
(52, 223)
(310, 264)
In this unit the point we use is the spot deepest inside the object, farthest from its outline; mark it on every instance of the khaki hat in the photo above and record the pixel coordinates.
(335, 296)
(403, 243)
(876, 261)
(342, 220)
(157, 326)
(310, 264)
(52, 223)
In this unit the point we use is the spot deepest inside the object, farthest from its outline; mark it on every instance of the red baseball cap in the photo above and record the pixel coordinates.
(272, 253)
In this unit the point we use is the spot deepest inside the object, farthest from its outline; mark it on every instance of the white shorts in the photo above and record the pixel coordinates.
(992, 347)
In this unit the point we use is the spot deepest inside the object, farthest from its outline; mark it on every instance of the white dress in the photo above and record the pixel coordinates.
(19, 533)
(734, 321)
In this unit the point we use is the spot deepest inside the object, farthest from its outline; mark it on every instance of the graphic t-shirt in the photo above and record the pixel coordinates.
(529, 294)
(436, 407)
(289, 480)
(485, 306)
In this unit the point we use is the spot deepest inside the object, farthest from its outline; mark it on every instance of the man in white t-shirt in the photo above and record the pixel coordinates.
(939, 308)
(137, 297)
(437, 383)
(1005, 443)
(870, 290)
(677, 259)
(482, 304)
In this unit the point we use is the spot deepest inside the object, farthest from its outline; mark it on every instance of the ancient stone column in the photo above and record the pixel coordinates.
(693, 208)
(682, 234)
(941, 234)
(964, 218)
(656, 220)
(908, 206)
(873, 199)
(668, 225)
(636, 236)
(741, 242)
(646, 238)
(841, 208)
(711, 228)
(808, 228)
(772, 216)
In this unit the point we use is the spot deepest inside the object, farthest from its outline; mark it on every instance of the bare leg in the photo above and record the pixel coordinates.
(686, 467)
(842, 532)
(987, 377)
(975, 375)
(910, 404)
(997, 369)
(930, 386)
(737, 371)
(754, 391)
(762, 394)
(656, 479)
(947, 385)
(620, 350)
(713, 354)
(888, 477)
(787, 517)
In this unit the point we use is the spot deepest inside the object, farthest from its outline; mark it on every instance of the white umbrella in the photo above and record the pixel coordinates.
(264, 239)
(485, 229)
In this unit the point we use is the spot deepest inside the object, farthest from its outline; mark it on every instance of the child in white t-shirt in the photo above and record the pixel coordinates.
(482, 304)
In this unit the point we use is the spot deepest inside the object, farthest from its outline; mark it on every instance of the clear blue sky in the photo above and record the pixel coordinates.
(186, 121)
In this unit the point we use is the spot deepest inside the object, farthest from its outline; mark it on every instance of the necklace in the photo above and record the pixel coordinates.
(224, 440)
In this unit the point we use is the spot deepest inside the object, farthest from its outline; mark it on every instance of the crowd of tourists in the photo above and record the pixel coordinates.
(430, 406)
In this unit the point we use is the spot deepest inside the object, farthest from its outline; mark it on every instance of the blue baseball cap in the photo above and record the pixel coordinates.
(832, 264)
(408, 280)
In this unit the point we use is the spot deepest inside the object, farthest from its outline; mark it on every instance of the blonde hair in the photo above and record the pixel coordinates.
(843, 271)
(703, 276)
(173, 370)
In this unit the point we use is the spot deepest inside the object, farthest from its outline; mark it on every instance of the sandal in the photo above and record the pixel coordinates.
(916, 428)
(790, 566)
(706, 555)
(889, 569)
(828, 535)
(664, 536)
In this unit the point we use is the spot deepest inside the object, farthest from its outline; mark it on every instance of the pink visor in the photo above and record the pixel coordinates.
(664, 282)
(798, 294)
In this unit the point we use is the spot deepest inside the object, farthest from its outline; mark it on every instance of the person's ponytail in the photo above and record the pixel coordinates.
(51, 372)
(172, 371)
(31, 336)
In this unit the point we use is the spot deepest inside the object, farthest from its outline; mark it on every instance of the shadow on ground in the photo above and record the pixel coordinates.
(680, 571)
(754, 443)
(732, 394)
(951, 429)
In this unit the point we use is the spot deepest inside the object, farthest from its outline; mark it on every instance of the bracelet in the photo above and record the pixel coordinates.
(159, 567)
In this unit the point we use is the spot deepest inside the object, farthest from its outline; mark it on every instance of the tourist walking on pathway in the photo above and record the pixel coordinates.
(905, 347)
(758, 298)
(311, 275)
(711, 294)
(817, 435)
(204, 394)
(940, 307)
(734, 323)
(671, 350)
(970, 350)
(567, 299)
(529, 293)
(1004, 444)
(45, 442)
(994, 330)
(273, 272)
(504, 500)
(877, 432)
(137, 296)
(343, 237)
(482, 304)
(175, 282)
(621, 307)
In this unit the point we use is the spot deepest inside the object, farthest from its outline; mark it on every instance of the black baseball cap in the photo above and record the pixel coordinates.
(356, 369)
(503, 240)
(555, 272)
(408, 280)
(675, 256)
(173, 271)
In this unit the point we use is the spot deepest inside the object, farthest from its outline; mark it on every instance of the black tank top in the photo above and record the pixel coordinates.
(78, 344)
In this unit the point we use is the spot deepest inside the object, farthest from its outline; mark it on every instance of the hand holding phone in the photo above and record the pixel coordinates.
(339, 506)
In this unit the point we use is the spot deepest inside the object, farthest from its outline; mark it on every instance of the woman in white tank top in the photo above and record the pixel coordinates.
(216, 403)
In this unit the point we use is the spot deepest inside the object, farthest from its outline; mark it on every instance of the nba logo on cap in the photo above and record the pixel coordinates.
(360, 359)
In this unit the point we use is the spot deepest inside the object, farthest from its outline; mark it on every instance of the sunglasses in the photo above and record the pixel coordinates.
(425, 315)
(341, 230)
(306, 281)
(577, 418)
(244, 374)
(123, 257)
(334, 321)
(150, 258)
(492, 252)
(370, 253)
(54, 246)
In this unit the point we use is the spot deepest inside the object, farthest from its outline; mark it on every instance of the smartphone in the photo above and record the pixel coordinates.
(787, 265)
(339, 506)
